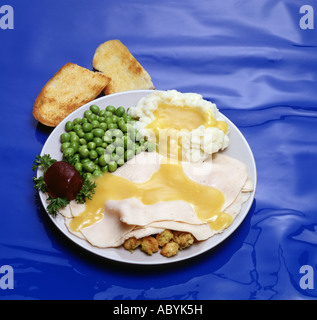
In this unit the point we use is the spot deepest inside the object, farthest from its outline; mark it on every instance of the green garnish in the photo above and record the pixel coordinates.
(71, 159)
(44, 161)
(87, 190)
(56, 204)
(39, 184)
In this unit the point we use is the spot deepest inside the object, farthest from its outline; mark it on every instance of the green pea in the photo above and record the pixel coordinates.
(75, 146)
(94, 109)
(120, 162)
(150, 146)
(80, 133)
(97, 141)
(77, 127)
(84, 120)
(93, 154)
(129, 145)
(142, 141)
(102, 113)
(82, 141)
(111, 109)
(128, 155)
(69, 126)
(107, 158)
(88, 136)
(131, 131)
(65, 137)
(120, 151)
(114, 119)
(107, 138)
(118, 142)
(100, 151)
(103, 161)
(95, 124)
(76, 158)
(120, 111)
(92, 117)
(88, 175)
(64, 146)
(85, 160)
(83, 152)
(91, 145)
(138, 136)
(117, 133)
(126, 117)
(110, 148)
(108, 121)
(101, 119)
(74, 138)
(68, 152)
(137, 149)
(108, 114)
(112, 166)
(78, 166)
(104, 168)
(87, 113)
(123, 126)
(97, 173)
(112, 126)
(89, 166)
(77, 121)
(98, 133)
(103, 126)
(104, 145)
(87, 127)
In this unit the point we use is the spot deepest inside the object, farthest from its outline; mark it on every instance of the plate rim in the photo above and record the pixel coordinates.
(221, 237)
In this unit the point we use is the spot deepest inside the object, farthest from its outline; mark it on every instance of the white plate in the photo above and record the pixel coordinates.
(238, 149)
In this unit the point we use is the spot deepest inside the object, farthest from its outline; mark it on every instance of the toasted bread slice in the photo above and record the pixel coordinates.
(70, 88)
(114, 60)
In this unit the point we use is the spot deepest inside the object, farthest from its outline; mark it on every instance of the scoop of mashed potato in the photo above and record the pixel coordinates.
(197, 143)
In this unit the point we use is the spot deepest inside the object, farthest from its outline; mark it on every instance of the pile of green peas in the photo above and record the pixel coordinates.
(102, 140)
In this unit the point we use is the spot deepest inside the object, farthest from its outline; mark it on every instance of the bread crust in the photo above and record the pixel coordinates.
(113, 59)
(70, 88)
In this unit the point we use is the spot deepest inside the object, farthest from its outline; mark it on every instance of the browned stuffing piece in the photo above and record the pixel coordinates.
(170, 249)
(132, 243)
(149, 245)
(183, 239)
(165, 237)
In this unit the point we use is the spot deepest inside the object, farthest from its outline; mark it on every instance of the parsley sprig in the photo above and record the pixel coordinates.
(87, 190)
(44, 161)
(56, 204)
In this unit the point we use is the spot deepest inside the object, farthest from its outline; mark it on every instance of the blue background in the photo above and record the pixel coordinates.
(249, 57)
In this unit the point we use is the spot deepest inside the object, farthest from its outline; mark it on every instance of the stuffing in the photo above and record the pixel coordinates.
(149, 245)
(170, 249)
(132, 243)
(164, 237)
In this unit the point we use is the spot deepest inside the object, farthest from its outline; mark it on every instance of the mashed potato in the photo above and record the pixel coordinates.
(188, 124)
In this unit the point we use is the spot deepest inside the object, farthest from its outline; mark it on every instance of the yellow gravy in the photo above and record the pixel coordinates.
(167, 184)
(170, 120)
